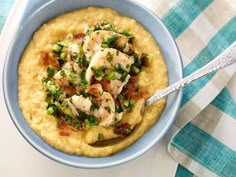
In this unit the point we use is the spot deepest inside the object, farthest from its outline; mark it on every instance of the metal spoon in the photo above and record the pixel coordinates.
(226, 58)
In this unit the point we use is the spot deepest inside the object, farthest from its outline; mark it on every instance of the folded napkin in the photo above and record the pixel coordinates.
(203, 132)
(202, 137)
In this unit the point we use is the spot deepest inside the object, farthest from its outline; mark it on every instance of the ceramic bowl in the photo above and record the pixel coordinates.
(35, 14)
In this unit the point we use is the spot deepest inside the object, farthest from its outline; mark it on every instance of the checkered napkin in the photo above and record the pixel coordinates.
(203, 135)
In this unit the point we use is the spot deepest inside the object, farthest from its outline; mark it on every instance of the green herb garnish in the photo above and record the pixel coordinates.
(50, 72)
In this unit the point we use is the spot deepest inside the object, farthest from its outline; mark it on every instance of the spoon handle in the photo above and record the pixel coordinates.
(226, 58)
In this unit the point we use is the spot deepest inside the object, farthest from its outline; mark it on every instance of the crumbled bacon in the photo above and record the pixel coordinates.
(61, 123)
(105, 85)
(144, 60)
(79, 88)
(123, 129)
(64, 133)
(68, 89)
(79, 37)
(63, 81)
(131, 88)
(94, 91)
(47, 60)
(131, 49)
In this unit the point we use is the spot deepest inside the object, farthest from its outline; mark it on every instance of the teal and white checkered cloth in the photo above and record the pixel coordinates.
(206, 123)
(202, 135)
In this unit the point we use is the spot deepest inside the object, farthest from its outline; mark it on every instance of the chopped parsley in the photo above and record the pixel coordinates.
(109, 57)
(84, 82)
(108, 109)
(83, 62)
(98, 72)
(50, 72)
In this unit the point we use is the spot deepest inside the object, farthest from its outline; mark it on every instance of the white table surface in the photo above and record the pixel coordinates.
(19, 158)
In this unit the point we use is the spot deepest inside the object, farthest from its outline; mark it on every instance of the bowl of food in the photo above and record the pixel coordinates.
(76, 85)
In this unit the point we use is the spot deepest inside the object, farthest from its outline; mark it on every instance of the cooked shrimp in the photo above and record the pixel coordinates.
(109, 58)
(64, 77)
(81, 103)
(116, 86)
(106, 111)
(93, 42)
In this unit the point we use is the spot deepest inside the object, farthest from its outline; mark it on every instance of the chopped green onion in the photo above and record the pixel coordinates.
(109, 57)
(110, 27)
(68, 119)
(98, 72)
(97, 28)
(84, 82)
(108, 109)
(135, 70)
(73, 76)
(63, 73)
(45, 79)
(48, 98)
(110, 39)
(111, 76)
(118, 108)
(90, 121)
(78, 125)
(51, 87)
(69, 36)
(64, 105)
(83, 62)
(56, 48)
(58, 94)
(118, 67)
(100, 137)
(124, 75)
(63, 55)
(50, 72)
(104, 45)
(109, 42)
(126, 33)
(50, 110)
(62, 44)
(94, 106)
(128, 131)
(126, 103)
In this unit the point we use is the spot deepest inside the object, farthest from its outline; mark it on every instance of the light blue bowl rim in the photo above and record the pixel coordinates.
(34, 14)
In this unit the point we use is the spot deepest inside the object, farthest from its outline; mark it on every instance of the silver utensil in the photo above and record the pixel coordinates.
(226, 58)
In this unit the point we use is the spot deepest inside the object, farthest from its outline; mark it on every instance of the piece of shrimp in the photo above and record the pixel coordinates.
(93, 42)
(109, 58)
(81, 103)
(105, 112)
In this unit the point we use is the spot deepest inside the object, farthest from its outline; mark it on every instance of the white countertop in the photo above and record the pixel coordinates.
(19, 158)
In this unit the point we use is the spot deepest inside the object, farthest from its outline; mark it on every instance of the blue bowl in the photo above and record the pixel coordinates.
(39, 11)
